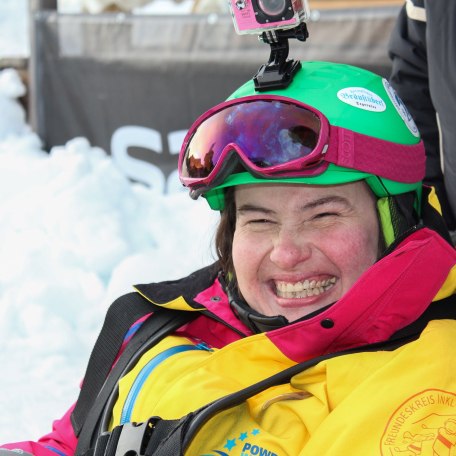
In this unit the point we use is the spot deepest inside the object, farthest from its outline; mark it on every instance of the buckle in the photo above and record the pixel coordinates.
(134, 438)
(129, 439)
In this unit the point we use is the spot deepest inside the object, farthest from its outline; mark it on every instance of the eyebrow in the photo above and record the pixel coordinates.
(311, 205)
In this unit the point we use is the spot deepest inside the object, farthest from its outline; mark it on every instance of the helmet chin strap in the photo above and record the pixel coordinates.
(255, 321)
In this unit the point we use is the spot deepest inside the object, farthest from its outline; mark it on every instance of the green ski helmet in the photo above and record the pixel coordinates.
(358, 101)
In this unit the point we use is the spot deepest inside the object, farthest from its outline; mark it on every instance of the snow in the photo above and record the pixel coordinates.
(74, 235)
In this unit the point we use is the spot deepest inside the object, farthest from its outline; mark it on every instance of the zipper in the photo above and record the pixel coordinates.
(147, 370)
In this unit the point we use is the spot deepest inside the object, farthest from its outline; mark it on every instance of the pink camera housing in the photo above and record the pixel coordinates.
(245, 17)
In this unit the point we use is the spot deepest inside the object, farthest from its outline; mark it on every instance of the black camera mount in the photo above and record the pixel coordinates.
(279, 72)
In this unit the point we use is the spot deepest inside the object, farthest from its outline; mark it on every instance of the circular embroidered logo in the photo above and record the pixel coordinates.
(401, 108)
(423, 425)
(361, 98)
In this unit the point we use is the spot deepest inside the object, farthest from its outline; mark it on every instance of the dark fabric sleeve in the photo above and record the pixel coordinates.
(441, 51)
(410, 78)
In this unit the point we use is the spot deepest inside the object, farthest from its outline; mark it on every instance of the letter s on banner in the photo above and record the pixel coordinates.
(132, 135)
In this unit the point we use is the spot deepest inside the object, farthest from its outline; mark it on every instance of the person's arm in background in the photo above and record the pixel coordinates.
(410, 78)
(60, 442)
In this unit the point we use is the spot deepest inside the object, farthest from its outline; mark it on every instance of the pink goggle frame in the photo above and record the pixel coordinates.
(275, 136)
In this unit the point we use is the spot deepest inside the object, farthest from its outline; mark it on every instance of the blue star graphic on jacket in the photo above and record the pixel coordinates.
(230, 444)
(243, 436)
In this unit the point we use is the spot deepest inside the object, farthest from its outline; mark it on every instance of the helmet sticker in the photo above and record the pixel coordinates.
(401, 108)
(361, 98)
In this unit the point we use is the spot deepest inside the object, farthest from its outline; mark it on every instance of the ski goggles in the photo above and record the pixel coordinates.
(277, 137)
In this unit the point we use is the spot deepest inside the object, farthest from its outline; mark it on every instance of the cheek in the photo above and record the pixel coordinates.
(354, 250)
(243, 254)
(248, 254)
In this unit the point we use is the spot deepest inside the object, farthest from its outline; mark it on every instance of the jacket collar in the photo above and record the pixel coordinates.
(386, 299)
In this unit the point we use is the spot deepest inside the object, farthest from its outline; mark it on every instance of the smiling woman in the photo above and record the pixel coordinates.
(331, 306)
(284, 261)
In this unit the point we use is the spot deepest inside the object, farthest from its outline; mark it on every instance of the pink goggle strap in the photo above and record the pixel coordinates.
(397, 162)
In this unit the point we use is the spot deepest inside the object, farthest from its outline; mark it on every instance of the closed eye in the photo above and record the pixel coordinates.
(259, 221)
(249, 214)
(326, 214)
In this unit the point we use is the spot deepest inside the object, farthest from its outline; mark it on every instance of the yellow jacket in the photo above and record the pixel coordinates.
(400, 402)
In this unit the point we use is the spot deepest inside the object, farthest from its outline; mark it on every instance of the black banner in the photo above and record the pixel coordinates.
(133, 84)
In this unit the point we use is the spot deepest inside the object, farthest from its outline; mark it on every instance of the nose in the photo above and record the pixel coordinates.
(290, 249)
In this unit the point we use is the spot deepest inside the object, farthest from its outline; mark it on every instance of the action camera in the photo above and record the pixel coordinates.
(258, 16)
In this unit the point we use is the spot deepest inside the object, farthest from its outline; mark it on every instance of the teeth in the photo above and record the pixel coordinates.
(304, 289)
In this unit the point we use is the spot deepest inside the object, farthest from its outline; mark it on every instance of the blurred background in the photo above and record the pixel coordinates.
(131, 75)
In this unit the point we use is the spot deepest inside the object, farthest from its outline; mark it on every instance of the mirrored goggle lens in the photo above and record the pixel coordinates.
(265, 133)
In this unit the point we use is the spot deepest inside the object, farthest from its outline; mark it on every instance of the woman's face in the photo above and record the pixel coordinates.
(298, 248)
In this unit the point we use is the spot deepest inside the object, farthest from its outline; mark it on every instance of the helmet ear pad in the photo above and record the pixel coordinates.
(397, 215)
